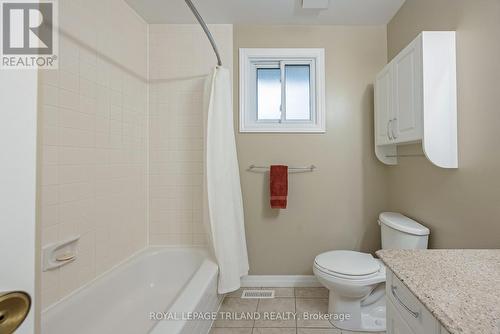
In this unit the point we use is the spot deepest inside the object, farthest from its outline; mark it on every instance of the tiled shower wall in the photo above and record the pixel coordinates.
(179, 60)
(93, 135)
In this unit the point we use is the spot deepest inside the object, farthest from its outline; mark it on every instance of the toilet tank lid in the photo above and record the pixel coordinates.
(402, 223)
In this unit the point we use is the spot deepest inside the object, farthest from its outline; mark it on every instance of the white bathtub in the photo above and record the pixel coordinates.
(155, 280)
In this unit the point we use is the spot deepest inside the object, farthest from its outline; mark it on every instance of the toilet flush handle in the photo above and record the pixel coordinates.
(413, 313)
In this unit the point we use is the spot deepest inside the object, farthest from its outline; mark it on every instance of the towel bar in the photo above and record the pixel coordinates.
(405, 155)
(304, 169)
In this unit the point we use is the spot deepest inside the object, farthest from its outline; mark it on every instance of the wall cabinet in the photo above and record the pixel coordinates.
(398, 104)
(406, 123)
(383, 107)
(415, 100)
(405, 313)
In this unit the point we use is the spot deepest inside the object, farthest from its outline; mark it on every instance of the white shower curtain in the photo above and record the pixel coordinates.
(223, 204)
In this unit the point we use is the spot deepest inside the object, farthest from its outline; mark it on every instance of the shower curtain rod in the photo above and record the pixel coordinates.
(205, 28)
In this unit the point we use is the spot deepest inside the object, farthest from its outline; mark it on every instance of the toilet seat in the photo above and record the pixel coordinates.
(349, 265)
(355, 282)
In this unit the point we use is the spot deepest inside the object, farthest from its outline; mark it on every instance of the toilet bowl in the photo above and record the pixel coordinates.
(356, 284)
(356, 280)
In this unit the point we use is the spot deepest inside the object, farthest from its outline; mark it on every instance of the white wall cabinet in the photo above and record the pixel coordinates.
(405, 313)
(406, 123)
(383, 101)
(415, 100)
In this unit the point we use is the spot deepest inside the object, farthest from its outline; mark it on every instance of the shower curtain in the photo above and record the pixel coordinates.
(223, 204)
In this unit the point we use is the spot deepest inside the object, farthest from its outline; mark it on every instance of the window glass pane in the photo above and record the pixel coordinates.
(297, 90)
(268, 94)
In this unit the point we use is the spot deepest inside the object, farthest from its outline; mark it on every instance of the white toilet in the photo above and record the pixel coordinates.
(357, 280)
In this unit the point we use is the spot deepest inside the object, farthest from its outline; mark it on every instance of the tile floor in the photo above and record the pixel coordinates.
(297, 300)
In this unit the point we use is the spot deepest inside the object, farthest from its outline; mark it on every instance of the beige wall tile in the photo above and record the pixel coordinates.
(93, 162)
(176, 131)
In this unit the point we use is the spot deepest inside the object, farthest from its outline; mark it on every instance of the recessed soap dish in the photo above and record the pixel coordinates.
(58, 254)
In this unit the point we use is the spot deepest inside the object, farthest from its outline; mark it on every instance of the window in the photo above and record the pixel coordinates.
(282, 90)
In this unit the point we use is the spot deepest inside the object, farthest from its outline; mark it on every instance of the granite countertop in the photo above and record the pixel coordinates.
(461, 288)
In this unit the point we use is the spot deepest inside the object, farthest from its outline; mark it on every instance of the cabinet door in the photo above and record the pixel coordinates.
(406, 123)
(395, 323)
(383, 106)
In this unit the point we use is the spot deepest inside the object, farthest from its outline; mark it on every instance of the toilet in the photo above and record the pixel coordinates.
(356, 280)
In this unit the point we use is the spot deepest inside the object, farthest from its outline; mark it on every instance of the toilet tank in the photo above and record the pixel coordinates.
(401, 232)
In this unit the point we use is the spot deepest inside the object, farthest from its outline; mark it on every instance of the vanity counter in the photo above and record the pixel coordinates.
(461, 288)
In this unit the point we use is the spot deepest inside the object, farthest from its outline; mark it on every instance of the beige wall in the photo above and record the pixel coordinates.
(180, 59)
(336, 206)
(462, 206)
(92, 125)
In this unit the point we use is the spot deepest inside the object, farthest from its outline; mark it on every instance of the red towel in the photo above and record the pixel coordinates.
(278, 186)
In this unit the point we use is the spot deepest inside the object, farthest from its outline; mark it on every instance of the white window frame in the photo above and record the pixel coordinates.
(251, 59)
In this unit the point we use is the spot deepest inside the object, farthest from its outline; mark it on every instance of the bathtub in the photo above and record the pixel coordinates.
(129, 298)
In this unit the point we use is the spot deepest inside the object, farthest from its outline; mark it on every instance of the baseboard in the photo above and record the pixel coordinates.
(279, 281)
